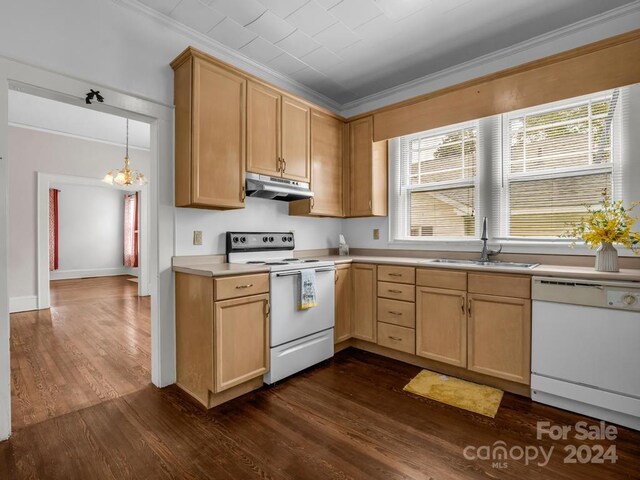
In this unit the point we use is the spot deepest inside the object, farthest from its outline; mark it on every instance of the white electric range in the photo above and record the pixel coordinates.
(298, 338)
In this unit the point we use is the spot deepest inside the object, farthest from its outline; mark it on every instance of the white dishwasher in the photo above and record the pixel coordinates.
(585, 347)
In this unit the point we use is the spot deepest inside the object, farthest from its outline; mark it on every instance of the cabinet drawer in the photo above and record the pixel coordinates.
(397, 291)
(393, 273)
(397, 312)
(241, 286)
(447, 279)
(398, 338)
(518, 286)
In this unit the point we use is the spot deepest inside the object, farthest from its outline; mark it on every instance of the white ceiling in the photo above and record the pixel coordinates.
(349, 49)
(50, 115)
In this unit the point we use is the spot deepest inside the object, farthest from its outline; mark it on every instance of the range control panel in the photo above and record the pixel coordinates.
(259, 241)
(624, 299)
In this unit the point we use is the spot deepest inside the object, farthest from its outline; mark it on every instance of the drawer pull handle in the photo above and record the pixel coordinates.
(395, 291)
(398, 339)
(249, 285)
(395, 274)
(395, 313)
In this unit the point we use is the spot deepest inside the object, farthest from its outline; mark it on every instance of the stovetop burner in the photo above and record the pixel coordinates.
(275, 263)
(311, 260)
(255, 262)
(292, 259)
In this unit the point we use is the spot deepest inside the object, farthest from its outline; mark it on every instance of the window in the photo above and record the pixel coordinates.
(556, 161)
(437, 184)
(532, 172)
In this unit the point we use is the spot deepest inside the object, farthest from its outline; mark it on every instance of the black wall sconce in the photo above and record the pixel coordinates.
(94, 94)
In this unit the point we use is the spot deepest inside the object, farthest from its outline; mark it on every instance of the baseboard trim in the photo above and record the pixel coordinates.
(97, 272)
(23, 304)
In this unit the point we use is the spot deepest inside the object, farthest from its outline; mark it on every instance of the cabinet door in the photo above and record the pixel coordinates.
(499, 337)
(360, 166)
(364, 302)
(263, 130)
(296, 140)
(218, 137)
(441, 325)
(241, 340)
(326, 165)
(343, 303)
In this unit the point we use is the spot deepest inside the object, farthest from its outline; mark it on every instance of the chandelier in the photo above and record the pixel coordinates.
(125, 176)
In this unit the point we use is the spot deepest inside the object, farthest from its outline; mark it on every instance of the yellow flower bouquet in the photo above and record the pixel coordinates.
(602, 227)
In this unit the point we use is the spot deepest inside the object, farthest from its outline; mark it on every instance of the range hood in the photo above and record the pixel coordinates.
(276, 188)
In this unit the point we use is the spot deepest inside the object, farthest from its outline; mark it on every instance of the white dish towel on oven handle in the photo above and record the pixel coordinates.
(308, 293)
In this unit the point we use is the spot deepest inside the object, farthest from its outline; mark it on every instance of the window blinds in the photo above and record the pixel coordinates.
(434, 183)
(556, 160)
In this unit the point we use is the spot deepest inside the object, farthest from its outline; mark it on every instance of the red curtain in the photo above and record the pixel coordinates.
(131, 230)
(53, 229)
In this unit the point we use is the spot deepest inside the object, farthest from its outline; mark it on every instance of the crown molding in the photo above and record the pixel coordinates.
(234, 57)
(613, 22)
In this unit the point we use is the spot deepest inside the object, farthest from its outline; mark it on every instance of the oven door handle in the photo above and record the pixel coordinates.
(298, 272)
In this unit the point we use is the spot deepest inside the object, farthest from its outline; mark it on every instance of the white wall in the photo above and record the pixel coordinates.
(259, 214)
(34, 151)
(90, 232)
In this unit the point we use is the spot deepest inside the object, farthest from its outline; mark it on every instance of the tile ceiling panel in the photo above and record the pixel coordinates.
(271, 27)
(196, 15)
(283, 8)
(311, 18)
(349, 49)
(261, 50)
(298, 44)
(354, 13)
(243, 12)
(337, 37)
(231, 33)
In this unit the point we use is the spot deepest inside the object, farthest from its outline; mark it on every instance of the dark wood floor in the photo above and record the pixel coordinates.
(92, 345)
(347, 418)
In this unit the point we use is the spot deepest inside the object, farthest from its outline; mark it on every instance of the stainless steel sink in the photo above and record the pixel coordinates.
(496, 264)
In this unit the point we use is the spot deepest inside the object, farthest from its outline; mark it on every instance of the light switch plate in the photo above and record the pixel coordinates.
(197, 237)
(376, 234)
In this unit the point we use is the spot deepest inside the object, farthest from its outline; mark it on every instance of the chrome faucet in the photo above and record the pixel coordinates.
(486, 252)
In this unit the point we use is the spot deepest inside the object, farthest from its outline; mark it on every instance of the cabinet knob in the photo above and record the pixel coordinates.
(249, 285)
(284, 165)
(397, 339)
(395, 291)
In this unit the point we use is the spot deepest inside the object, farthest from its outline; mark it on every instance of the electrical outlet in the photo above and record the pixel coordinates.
(197, 237)
(376, 234)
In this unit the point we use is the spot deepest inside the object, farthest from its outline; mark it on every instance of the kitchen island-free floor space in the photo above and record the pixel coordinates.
(346, 418)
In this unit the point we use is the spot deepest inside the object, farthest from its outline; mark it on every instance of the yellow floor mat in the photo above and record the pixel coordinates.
(457, 393)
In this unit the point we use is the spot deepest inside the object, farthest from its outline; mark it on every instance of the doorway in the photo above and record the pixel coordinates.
(80, 327)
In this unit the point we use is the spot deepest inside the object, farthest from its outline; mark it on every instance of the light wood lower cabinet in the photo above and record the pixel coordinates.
(222, 347)
(441, 325)
(364, 302)
(343, 301)
(241, 340)
(500, 337)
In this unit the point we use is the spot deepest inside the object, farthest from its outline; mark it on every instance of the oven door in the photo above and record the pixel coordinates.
(287, 322)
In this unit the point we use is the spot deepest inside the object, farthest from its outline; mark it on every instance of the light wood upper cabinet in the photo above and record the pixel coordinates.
(210, 121)
(343, 302)
(499, 332)
(241, 340)
(296, 140)
(364, 301)
(278, 134)
(441, 325)
(327, 146)
(263, 129)
(367, 171)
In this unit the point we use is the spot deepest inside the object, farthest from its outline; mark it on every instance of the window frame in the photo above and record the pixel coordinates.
(490, 178)
(403, 222)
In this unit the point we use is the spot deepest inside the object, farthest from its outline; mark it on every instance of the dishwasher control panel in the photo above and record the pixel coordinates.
(623, 299)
